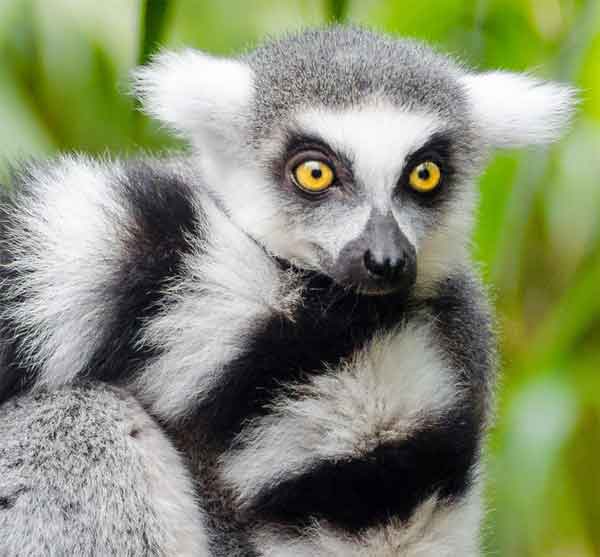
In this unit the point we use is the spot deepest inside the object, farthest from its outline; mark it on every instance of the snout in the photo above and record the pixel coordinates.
(381, 260)
(395, 270)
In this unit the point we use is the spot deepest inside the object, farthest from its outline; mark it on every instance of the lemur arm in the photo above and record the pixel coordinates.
(85, 471)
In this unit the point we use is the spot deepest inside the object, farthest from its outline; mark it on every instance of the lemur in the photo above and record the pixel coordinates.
(274, 343)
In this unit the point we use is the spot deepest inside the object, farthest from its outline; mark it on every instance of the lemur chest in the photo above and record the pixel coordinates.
(351, 416)
(366, 433)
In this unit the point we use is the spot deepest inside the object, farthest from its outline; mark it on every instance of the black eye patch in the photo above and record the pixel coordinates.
(439, 149)
(297, 143)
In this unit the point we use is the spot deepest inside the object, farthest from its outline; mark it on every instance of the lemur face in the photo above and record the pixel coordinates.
(375, 197)
(365, 194)
(348, 152)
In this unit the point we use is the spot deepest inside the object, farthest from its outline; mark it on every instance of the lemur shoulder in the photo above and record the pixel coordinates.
(275, 344)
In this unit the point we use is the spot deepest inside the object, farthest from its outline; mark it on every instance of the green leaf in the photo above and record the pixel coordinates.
(569, 319)
(22, 134)
(154, 20)
(337, 10)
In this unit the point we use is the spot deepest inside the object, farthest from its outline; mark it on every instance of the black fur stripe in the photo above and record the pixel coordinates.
(163, 218)
(15, 376)
(388, 482)
(330, 325)
(465, 332)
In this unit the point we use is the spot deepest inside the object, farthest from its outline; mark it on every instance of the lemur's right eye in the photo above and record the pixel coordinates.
(313, 176)
(425, 177)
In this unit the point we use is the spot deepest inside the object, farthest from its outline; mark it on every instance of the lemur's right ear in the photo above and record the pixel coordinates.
(199, 96)
(516, 110)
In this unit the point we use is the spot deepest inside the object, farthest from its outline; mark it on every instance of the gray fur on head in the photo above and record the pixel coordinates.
(340, 67)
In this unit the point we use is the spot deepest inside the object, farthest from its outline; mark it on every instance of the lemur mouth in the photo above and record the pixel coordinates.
(375, 290)
(376, 287)
(371, 286)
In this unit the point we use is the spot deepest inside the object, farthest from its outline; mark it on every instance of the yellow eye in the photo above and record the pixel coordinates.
(425, 177)
(313, 176)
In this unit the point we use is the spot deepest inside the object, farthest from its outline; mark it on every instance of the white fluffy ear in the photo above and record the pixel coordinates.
(515, 110)
(195, 94)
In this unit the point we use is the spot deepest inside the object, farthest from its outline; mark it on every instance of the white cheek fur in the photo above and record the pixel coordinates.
(446, 247)
(337, 227)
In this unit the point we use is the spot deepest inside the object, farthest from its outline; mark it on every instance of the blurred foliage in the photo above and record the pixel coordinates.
(63, 83)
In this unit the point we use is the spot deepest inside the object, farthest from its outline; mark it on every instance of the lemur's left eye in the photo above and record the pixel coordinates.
(425, 177)
(313, 176)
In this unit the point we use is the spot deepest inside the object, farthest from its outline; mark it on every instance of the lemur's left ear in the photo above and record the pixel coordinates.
(515, 110)
(197, 95)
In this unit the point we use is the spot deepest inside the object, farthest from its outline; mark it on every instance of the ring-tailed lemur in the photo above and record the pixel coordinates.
(291, 306)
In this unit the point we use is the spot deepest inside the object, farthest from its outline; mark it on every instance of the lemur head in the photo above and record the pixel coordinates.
(348, 152)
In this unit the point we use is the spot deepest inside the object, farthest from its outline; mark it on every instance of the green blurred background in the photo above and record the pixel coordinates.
(63, 79)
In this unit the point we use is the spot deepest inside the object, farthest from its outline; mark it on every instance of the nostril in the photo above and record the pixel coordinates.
(399, 265)
(375, 267)
(389, 269)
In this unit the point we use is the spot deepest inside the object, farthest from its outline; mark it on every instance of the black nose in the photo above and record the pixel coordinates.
(386, 268)
(382, 268)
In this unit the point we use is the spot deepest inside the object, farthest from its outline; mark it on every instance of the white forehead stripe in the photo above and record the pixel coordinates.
(377, 138)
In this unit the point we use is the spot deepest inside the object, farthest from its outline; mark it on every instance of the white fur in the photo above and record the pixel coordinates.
(435, 530)
(334, 229)
(516, 110)
(230, 285)
(247, 193)
(68, 253)
(198, 95)
(446, 247)
(382, 394)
